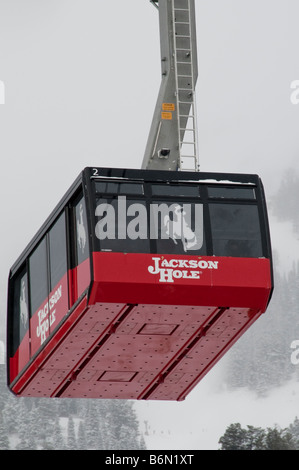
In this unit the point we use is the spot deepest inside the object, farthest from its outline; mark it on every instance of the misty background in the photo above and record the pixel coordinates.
(81, 81)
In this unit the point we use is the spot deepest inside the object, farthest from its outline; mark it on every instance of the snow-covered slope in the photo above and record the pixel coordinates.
(285, 244)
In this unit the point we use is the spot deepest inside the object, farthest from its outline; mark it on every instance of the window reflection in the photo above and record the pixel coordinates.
(235, 230)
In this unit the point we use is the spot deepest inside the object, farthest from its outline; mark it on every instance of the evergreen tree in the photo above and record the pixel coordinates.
(71, 437)
(234, 438)
(142, 444)
(294, 431)
(254, 438)
(58, 440)
(4, 441)
(92, 426)
(285, 201)
(121, 425)
(82, 442)
(237, 438)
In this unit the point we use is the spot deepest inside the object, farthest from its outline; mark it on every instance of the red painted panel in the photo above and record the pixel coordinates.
(83, 276)
(204, 354)
(35, 367)
(20, 359)
(129, 360)
(58, 302)
(181, 280)
(152, 328)
(79, 280)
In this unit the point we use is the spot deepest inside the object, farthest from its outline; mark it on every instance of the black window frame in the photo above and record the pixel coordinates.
(24, 269)
(52, 282)
(35, 304)
(14, 338)
(22, 262)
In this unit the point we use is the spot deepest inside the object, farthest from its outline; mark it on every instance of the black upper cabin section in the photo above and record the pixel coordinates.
(229, 209)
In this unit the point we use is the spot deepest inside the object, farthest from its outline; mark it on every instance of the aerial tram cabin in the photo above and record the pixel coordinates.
(137, 284)
(141, 280)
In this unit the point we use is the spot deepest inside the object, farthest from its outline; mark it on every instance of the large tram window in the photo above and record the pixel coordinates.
(235, 230)
(58, 296)
(80, 276)
(20, 321)
(113, 187)
(177, 227)
(38, 277)
(233, 192)
(122, 225)
(175, 190)
(58, 257)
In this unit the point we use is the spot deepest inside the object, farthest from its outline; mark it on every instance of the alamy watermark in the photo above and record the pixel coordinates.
(2, 92)
(294, 97)
(125, 219)
(295, 354)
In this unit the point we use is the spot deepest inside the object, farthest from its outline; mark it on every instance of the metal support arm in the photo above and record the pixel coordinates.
(175, 104)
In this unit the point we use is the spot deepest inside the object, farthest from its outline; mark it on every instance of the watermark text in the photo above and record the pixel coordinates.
(294, 97)
(295, 354)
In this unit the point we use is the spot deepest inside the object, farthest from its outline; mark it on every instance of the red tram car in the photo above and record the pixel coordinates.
(137, 284)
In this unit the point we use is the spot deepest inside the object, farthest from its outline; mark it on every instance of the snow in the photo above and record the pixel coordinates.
(285, 244)
(199, 421)
(2, 352)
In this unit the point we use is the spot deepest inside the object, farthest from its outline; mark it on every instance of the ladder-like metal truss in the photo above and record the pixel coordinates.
(185, 85)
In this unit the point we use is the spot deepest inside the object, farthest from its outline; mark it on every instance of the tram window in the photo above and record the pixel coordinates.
(231, 192)
(175, 190)
(58, 256)
(235, 230)
(121, 225)
(38, 276)
(20, 321)
(82, 245)
(177, 227)
(118, 188)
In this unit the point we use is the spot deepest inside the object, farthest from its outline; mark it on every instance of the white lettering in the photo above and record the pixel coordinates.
(107, 221)
(295, 94)
(213, 264)
(175, 221)
(137, 222)
(155, 269)
(124, 460)
(295, 354)
(166, 275)
(121, 210)
(169, 274)
(173, 263)
(46, 316)
(203, 264)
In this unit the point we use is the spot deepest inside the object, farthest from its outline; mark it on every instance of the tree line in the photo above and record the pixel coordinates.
(66, 424)
(256, 438)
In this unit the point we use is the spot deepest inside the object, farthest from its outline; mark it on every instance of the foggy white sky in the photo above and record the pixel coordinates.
(81, 81)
